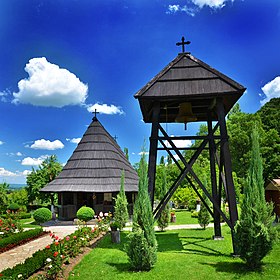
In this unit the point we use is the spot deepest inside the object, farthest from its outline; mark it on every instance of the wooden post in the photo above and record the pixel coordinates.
(215, 195)
(227, 168)
(153, 152)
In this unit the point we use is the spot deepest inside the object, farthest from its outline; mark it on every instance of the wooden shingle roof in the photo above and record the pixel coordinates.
(96, 165)
(187, 79)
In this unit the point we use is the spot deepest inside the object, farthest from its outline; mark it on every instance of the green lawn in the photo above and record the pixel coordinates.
(29, 223)
(183, 254)
(183, 217)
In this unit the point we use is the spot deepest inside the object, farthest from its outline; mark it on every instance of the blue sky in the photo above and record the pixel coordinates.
(61, 59)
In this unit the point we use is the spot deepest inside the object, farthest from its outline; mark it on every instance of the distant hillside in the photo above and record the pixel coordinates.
(16, 186)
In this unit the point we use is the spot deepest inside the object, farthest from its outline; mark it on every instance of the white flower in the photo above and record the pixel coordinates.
(82, 238)
(19, 276)
(50, 266)
(106, 214)
(48, 260)
(101, 214)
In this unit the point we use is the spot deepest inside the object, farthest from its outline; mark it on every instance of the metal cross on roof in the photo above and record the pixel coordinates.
(183, 43)
(95, 112)
(115, 137)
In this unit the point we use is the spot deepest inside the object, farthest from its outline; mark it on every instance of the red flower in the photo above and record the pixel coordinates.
(55, 254)
(74, 237)
(51, 235)
(7, 228)
(56, 238)
(13, 225)
(56, 243)
(48, 247)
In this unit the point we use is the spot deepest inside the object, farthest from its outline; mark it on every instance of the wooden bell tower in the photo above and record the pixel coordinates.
(190, 90)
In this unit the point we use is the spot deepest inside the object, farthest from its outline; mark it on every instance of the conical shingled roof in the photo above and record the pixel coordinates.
(96, 165)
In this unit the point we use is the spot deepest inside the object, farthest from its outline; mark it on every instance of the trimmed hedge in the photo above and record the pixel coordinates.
(85, 213)
(20, 215)
(16, 238)
(34, 263)
(42, 215)
(13, 207)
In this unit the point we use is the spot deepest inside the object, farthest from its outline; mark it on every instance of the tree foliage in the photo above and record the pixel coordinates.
(204, 216)
(37, 179)
(121, 212)
(142, 245)
(164, 215)
(3, 196)
(254, 231)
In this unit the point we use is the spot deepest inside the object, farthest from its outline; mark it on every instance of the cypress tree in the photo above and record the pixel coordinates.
(254, 231)
(204, 216)
(164, 215)
(121, 212)
(142, 245)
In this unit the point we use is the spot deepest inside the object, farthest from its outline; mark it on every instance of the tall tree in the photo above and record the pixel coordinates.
(142, 244)
(3, 196)
(254, 231)
(121, 212)
(37, 179)
(164, 215)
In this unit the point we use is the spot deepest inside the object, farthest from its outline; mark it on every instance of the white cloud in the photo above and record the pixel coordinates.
(19, 154)
(6, 173)
(49, 86)
(74, 140)
(271, 90)
(179, 143)
(43, 144)
(194, 6)
(216, 4)
(105, 109)
(33, 161)
(1, 142)
(191, 11)
(26, 172)
(141, 153)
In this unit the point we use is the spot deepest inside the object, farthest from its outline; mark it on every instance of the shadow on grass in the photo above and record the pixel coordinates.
(121, 267)
(238, 268)
(169, 242)
(198, 245)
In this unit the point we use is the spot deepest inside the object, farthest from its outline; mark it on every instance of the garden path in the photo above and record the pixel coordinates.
(20, 253)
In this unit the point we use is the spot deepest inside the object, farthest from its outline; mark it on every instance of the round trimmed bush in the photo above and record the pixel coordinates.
(13, 207)
(42, 215)
(85, 213)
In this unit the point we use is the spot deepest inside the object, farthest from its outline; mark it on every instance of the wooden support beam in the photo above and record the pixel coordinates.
(227, 167)
(212, 151)
(153, 152)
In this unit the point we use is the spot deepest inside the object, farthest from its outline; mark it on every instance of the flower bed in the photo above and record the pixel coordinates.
(20, 238)
(54, 256)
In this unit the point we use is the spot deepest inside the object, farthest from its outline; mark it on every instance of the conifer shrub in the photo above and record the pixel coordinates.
(164, 215)
(204, 216)
(42, 215)
(121, 212)
(255, 233)
(142, 245)
(85, 213)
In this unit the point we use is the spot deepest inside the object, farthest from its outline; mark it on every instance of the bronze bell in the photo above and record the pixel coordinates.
(185, 114)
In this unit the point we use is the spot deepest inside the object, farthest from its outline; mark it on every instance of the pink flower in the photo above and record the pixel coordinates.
(74, 237)
(67, 238)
